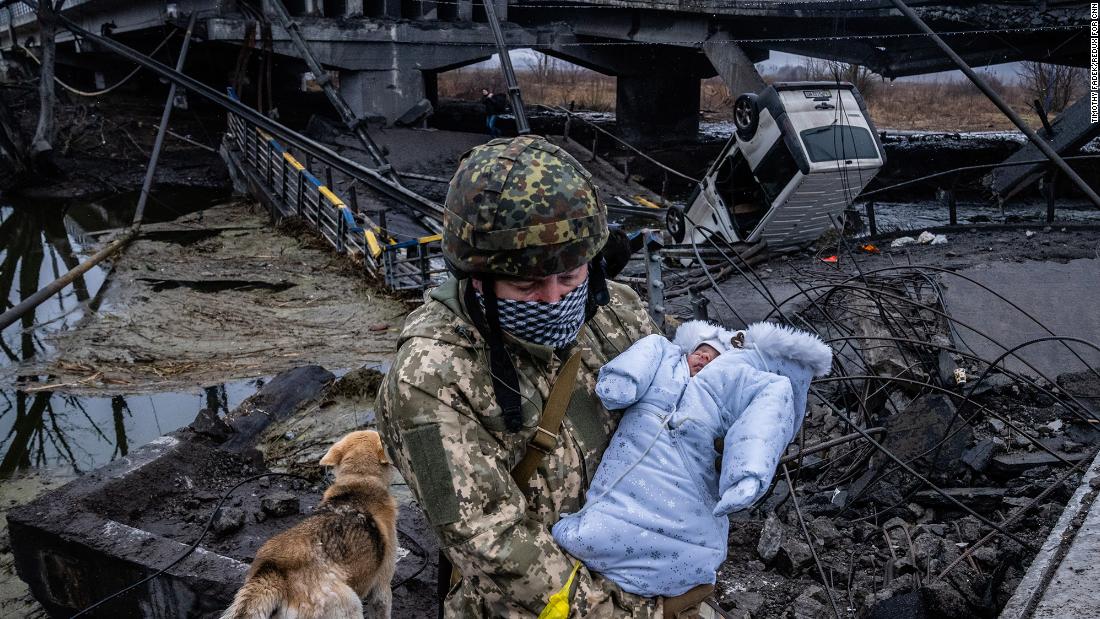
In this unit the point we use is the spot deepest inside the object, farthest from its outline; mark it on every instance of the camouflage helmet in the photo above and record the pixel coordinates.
(521, 208)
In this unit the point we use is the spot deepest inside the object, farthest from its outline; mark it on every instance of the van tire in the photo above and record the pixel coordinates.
(674, 221)
(746, 116)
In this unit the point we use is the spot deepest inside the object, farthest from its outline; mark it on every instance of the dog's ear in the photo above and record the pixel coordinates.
(335, 454)
(382, 457)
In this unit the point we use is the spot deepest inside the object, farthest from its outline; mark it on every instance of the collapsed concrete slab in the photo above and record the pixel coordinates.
(920, 430)
(127, 520)
(1073, 128)
(1061, 581)
(72, 552)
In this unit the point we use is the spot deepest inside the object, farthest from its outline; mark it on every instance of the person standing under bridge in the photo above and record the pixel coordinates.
(495, 105)
(466, 409)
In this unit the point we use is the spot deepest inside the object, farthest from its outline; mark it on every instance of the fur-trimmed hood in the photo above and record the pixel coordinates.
(695, 333)
(785, 342)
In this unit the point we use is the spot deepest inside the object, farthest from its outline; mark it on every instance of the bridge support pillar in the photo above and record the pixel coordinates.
(386, 93)
(733, 64)
(657, 106)
(657, 86)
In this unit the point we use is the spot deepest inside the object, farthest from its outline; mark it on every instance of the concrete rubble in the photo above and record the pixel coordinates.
(888, 544)
(853, 528)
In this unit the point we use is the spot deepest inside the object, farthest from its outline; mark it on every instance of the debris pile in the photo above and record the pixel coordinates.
(995, 16)
(924, 238)
(102, 146)
(926, 476)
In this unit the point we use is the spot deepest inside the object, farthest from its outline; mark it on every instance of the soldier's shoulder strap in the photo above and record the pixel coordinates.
(546, 435)
(542, 443)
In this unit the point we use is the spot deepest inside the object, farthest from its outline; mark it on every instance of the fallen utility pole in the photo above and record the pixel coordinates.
(522, 127)
(372, 178)
(151, 169)
(1039, 142)
(36, 299)
(184, 138)
(354, 124)
(59, 284)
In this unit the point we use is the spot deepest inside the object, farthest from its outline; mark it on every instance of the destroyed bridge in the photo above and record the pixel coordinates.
(387, 54)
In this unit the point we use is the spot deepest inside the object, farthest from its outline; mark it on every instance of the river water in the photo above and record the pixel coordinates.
(50, 431)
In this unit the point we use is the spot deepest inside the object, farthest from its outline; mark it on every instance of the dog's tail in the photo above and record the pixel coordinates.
(260, 596)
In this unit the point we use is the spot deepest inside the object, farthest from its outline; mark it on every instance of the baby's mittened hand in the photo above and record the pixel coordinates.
(738, 497)
(616, 391)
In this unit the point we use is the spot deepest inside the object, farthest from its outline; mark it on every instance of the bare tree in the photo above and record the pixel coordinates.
(864, 79)
(545, 68)
(1055, 85)
(11, 139)
(543, 73)
(42, 142)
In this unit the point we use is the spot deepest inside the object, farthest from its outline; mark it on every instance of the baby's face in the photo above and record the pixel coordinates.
(698, 359)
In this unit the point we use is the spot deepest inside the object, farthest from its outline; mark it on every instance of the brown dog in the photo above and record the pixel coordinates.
(347, 548)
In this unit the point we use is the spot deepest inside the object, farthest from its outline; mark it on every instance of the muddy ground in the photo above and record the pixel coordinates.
(966, 247)
(219, 295)
(193, 303)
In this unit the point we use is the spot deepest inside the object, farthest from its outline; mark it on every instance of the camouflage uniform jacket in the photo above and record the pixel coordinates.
(445, 432)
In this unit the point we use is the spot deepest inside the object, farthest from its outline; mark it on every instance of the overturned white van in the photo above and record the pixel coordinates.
(801, 153)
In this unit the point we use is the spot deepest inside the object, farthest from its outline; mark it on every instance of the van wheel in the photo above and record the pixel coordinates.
(746, 116)
(674, 221)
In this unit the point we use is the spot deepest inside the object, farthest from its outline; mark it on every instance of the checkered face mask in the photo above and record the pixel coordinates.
(549, 324)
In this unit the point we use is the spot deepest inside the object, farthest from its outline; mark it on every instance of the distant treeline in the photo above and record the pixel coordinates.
(941, 105)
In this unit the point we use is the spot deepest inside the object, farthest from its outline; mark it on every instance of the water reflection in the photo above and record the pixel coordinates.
(41, 428)
(54, 430)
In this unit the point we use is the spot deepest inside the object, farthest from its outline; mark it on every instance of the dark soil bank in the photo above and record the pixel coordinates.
(103, 146)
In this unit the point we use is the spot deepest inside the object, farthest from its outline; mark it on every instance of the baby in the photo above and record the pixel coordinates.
(655, 519)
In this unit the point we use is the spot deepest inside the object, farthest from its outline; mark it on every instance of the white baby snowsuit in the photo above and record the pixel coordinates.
(655, 519)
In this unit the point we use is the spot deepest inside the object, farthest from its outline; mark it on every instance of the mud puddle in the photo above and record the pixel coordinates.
(40, 240)
(47, 437)
(69, 434)
(247, 301)
(43, 428)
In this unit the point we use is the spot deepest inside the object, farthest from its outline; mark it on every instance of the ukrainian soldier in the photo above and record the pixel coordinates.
(461, 408)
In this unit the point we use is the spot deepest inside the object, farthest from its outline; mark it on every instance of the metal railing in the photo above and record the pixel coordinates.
(291, 189)
(946, 183)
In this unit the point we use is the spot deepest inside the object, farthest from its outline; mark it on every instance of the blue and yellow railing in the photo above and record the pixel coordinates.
(290, 189)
